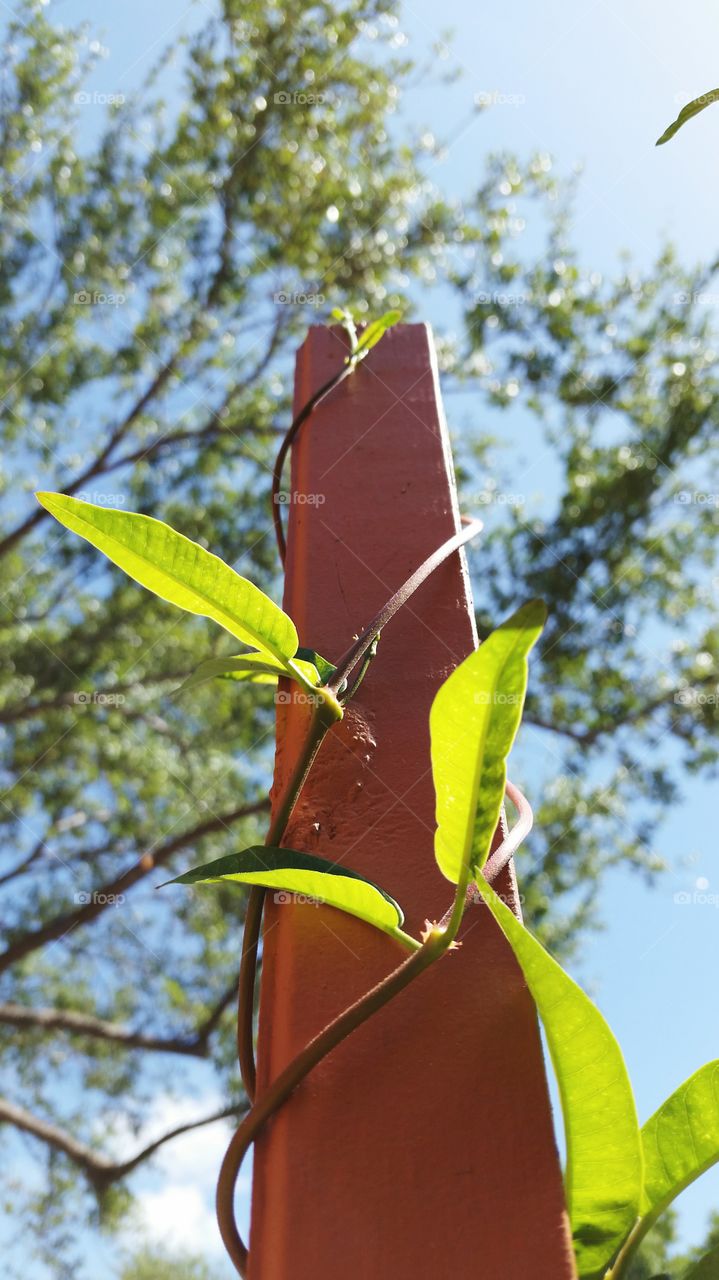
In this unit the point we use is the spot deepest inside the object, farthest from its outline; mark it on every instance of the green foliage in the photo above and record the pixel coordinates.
(154, 1264)
(473, 722)
(258, 668)
(687, 113)
(198, 213)
(681, 1140)
(305, 874)
(375, 330)
(707, 1268)
(183, 573)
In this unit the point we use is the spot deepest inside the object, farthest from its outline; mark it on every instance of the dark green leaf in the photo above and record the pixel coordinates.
(321, 665)
(289, 871)
(707, 1268)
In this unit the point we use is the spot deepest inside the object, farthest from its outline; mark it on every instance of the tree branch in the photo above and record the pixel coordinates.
(104, 896)
(25, 864)
(98, 465)
(104, 463)
(27, 710)
(100, 1172)
(81, 1024)
(588, 737)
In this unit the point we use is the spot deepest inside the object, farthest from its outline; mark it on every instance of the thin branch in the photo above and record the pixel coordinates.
(81, 1024)
(321, 394)
(118, 1171)
(563, 730)
(104, 463)
(25, 864)
(100, 1172)
(103, 897)
(97, 467)
(588, 737)
(27, 710)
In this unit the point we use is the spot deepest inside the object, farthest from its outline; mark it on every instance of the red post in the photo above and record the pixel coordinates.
(423, 1146)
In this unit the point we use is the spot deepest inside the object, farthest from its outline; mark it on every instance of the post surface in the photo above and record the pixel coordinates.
(423, 1146)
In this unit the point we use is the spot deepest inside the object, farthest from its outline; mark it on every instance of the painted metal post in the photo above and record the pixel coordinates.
(423, 1146)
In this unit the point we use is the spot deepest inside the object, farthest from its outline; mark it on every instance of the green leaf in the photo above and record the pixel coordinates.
(322, 666)
(473, 723)
(259, 668)
(681, 1140)
(604, 1155)
(707, 1268)
(375, 331)
(691, 109)
(302, 873)
(180, 571)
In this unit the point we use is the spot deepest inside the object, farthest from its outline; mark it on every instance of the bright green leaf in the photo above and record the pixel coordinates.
(707, 1268)
(691, 109)
(473, 723)
(604, 1154)
(289, 871)
(681, 1140)
(259, 668)
(179, 571)
(376, 330)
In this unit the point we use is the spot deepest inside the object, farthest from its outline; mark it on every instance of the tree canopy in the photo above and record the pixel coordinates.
(155, 280)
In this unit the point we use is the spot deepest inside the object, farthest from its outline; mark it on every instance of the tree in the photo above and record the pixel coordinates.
(658, 1257)
(152, 1264)
(156, 375)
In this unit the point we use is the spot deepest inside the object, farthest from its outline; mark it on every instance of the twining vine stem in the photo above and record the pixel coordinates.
(319, 726)
(437, 941)
(287, 443)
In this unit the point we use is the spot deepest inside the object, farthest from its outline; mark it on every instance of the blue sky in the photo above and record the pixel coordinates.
(594, 85)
